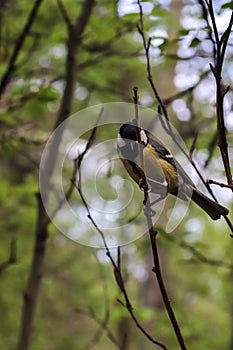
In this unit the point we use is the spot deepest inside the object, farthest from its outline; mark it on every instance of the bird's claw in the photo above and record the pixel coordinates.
(142, 186)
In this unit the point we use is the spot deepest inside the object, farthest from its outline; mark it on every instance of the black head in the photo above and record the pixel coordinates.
(129, 131)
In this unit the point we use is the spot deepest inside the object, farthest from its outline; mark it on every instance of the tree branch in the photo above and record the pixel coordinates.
(221, 184)
(198, 254)
(221, 91)
(74, 40)
(153, 235)
(41, 231)
(116, 266)
(146, 46)
(165, 122)
(103, 327)
(12, 256)
(18, 46)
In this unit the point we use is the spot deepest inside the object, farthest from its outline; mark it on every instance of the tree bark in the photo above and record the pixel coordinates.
(41, 232)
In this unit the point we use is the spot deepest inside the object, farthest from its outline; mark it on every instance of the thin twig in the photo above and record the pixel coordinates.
(165, 121)
(167, 101)
(128, 306)
(103, 326)
(211, 147)
(146, 45)
(118, 274)
(65, 15)
(193, 145)
(18, 46)
(116, 266)
(78, 186)
(220, 94)
(76, 168)
(153, 234)
(12, 256)
(92, 136)
(221, 184)
(141, 160)
(212, 16)
(221, 44)
(205, 14)
(148, 336)
(197, 254)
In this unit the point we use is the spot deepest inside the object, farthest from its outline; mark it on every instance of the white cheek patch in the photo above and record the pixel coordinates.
(144, 137)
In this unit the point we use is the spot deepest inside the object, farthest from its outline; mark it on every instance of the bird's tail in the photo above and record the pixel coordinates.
(213, 209)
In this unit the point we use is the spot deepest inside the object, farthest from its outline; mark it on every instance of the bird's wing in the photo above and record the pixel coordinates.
(181, 184)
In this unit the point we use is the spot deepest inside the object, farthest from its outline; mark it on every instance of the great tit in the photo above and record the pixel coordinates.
(163, 173)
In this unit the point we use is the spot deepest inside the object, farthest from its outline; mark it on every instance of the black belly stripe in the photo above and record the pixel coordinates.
(135, 168)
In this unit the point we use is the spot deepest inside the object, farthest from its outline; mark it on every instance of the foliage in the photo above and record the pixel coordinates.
(78, 303)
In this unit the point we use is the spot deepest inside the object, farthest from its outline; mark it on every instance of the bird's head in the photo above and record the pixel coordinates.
(128, 131)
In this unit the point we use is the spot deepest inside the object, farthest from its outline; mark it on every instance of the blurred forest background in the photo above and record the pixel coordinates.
(57, 58)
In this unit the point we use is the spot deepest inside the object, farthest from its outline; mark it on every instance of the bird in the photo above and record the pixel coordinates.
(163, 173)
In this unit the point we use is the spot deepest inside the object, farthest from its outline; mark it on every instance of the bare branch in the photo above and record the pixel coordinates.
(41, 232)
(193, 145)
(167, 101)
(103, 326)
(198, 254)
(18, 46)
(116, 266)
(220, 115)
(153, 234)
(220, 90)
(205, 14)
(211, 148)
(212, 16)
(118, 274)
(12, 256)
(221, 184)
(146, 46)
(65, 15)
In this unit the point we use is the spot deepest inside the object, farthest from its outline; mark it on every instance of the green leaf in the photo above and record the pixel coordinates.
(228, 5)
(195, 42)
(47, 94)
(184, 32)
